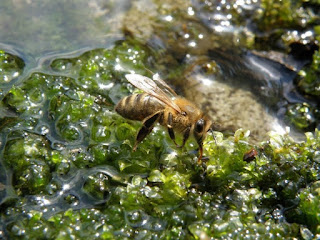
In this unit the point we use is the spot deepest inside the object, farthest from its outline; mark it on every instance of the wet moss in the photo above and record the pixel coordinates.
(309, 202)
(74, 174)
(302, 115)
(10, 67)
(28, 156)
(309, 81)
(282, 15)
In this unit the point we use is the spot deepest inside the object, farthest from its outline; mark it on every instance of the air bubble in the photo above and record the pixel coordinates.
(136, 218)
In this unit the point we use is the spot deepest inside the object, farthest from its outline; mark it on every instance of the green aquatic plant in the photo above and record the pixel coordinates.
(10, 67)
(309, 81)
(256, 199)
(71, 172)
(302, 115)
(282, 14)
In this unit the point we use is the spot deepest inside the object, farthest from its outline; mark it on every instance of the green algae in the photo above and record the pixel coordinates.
(10, 67)
(302, 115)
(165, 205)
(74, 176)
(310, 81)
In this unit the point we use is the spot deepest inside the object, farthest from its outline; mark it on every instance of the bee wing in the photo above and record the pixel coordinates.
(149, 86)
(163, 85)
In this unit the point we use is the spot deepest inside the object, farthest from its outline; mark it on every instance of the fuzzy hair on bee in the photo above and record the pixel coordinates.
(159, 103)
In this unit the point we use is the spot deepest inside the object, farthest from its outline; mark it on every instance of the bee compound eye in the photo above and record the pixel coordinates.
(199, 125)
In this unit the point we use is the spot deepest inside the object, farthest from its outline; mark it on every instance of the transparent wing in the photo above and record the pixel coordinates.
(149, 86)
(163, 85)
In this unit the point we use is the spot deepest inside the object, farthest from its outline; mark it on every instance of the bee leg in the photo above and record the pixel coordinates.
(186, 134)
(172, 136)
(200, 153)
(145, 129)
(170, 129)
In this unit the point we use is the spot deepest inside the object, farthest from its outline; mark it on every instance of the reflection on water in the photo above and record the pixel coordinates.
(39, 28)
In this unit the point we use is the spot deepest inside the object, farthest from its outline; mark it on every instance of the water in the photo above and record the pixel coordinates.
(245, 91)
(203, 49)
(39, 29)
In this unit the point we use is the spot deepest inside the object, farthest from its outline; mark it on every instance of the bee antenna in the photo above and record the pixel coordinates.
(149, 71)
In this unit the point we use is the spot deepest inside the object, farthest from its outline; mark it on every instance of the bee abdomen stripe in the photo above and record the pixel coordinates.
(138, 106)
(128, 101)
(139, 98)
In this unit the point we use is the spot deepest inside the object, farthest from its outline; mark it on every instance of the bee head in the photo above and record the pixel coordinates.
(201, 127)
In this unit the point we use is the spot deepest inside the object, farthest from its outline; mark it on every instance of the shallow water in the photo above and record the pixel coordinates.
(39, 29)
(248, 92)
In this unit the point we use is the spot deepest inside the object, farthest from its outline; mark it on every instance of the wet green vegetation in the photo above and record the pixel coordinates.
(310, 82)
(74, 173)
(68, 170)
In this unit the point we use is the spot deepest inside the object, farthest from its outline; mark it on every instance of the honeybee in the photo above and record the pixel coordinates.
(161, 104)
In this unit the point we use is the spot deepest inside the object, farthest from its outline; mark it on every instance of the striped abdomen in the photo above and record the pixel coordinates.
(138, 106)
